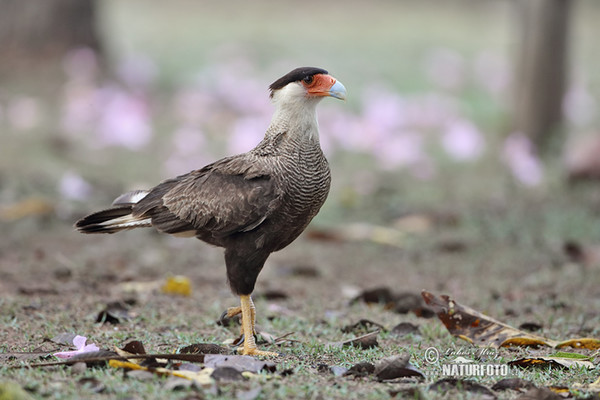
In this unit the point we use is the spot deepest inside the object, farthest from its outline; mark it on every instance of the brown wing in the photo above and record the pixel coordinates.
(222, 198)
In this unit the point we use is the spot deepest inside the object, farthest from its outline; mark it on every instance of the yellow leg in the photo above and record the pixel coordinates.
(248, 318)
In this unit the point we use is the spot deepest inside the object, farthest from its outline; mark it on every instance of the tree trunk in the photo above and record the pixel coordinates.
(35, 34)
(541, 69)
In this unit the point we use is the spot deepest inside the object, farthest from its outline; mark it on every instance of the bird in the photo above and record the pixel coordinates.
(251, 204)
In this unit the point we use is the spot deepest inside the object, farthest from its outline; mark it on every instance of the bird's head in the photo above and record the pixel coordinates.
(306, 83)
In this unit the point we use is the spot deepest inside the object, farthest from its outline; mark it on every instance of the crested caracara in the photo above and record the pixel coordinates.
(251, 204)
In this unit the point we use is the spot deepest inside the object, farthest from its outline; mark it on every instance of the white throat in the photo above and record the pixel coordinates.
(295, 113)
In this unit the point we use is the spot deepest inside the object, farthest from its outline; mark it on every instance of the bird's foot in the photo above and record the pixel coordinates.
(233, 311)
(253, 351)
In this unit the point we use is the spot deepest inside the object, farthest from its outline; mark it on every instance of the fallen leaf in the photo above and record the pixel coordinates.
(271, 295)
(142, 375)
(447, 384)
(540, 394)
(304, 271)
(380, 295)
(249, 394)
(517, 384)
(13, 391)
(364, 342)
(65, 338)
(204, 348)
(360, 232)
(361, 369)
(92, 384)
(227, 374)
(173, 382)
(403, 329)
(582, 343)
(363, 325)
(179, 285)
(32, 206)
(395, 367)
(556, 362)
(479, 328)
(407, 393)
(336, 370)
(530, 326)
(114, 313)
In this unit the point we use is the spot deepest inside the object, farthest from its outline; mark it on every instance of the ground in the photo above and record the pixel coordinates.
(503, 259)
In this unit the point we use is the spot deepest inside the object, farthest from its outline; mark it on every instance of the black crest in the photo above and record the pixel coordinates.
(294, 76)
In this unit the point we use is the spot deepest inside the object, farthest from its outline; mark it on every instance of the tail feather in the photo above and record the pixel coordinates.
(112, 220)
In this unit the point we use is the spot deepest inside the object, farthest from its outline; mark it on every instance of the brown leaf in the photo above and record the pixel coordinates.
(134, 347)
(204, 348)
(381, 295)
(271, 295)
(478, 328)
(513, 384)
(555, 362)
(447, 384)
(539, 394)
(404, 328)
(65, 338)
(361, 369)
(581, 343)
(530, 326)
(364, 342)
(28, 207)
(92, 384)
(227, 374)
(363, 325)
(114, 313)
(395, 367)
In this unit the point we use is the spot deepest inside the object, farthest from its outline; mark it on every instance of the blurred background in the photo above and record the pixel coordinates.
(450, 104)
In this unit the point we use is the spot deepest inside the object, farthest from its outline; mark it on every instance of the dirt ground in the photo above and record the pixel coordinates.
(508, 262)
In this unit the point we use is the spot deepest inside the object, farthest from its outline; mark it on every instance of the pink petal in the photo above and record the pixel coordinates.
(79, 342)
(66, 354)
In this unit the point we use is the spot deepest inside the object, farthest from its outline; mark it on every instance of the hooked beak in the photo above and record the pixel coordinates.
(338, 91)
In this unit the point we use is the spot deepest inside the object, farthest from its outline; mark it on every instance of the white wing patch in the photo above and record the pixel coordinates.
(130, 197)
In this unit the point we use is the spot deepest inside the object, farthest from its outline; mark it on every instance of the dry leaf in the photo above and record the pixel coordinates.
(518, 384)
(478, 328)
(363, 325)
(582, 343)
(204, 348)
(404, 328)
(540, 394)
(396, 367)
(29, 207)
(364, 342)
(13, 391)
(558, 362)
(179, 285)
(447, 384)
(114, 313)
(360, 232)
(361, 369)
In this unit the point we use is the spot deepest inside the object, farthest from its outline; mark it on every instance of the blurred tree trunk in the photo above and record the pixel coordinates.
(36, 34)
(541, 69)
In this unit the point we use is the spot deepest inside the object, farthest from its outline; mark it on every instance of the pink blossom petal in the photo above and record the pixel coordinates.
(520, 156)
(79, 343)
(74, 187)
(462, 140)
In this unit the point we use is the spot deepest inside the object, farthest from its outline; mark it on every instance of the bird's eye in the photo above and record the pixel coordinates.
(308, 80)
